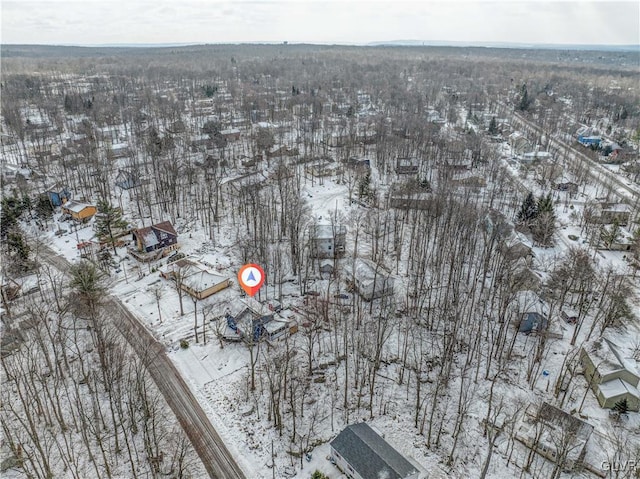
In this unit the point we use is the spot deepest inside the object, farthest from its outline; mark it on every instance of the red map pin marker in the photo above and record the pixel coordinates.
(251, 278)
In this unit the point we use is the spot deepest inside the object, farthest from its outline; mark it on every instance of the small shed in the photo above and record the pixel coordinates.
(231, 134)
(533, 322)
(326, 267)
(569, 315)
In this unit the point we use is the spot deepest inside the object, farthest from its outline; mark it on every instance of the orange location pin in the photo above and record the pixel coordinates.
(251, 278)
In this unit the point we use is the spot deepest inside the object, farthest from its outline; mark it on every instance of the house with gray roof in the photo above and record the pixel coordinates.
(361, 453)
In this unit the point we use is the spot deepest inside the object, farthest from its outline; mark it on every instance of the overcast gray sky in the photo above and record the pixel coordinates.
(89, 22)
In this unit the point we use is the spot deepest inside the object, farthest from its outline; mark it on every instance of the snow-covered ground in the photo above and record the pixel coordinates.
(218, 372)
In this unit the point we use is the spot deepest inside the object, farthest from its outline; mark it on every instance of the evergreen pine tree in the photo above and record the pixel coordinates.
(524, 98)
(528, 211)
(545, 204)
(18, 250)
(11, 209)
(544, 224)
(68, 104)
(88, 289)
(43, 208)
(264, 139)
(108, 222)
(621, 407)
(493, 126)
(364, 186)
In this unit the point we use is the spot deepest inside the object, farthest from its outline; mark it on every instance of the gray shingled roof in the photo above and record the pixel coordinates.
(370, 455)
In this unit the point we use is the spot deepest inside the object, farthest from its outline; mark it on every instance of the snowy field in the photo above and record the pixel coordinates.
(218, 371)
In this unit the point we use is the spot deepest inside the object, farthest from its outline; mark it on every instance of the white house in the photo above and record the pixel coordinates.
(555, 435)
(326, 240)
(370, 280)
(195, 278)
(610, 375)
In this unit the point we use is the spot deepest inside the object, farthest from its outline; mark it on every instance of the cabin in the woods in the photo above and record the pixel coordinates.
(555, 435)
(58, 195)
(407, 166)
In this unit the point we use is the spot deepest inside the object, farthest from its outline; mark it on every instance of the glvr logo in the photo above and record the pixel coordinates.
(621, 466)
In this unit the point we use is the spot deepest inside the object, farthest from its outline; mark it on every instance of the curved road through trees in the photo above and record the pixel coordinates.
(212, 451)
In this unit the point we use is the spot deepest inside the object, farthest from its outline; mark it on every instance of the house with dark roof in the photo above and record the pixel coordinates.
(533, 316)
(155, 237)
(361, 453)
(588, 136)
(251, 321)
(532, 322)
(407, 166)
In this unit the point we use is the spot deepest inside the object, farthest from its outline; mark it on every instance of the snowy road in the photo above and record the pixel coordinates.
(597, 171)
(194, 421)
